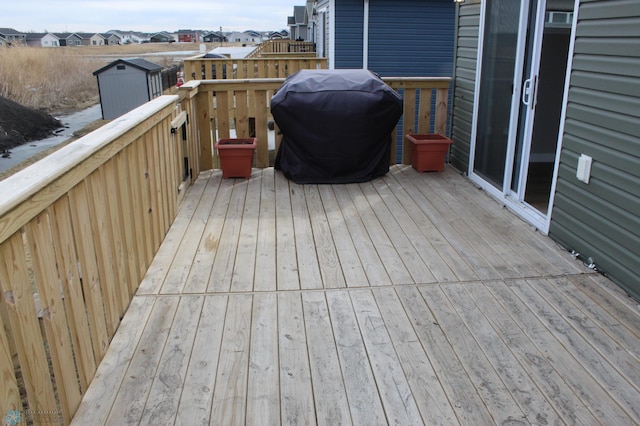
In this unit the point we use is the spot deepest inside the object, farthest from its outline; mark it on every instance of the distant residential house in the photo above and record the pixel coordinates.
(3, 42)
(69, 39)
(255, 36)
(91, 39)
(248, 36)
(130, 37)
(188, 36)
(111, 39)
(278, 35)
(214, 37)
(298, 24)
(12, 36)
(162, 37)
(42, 40)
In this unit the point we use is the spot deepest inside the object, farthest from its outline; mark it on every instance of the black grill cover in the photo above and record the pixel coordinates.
(336, 126)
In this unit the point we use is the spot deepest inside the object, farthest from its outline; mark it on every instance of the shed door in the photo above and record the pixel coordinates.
(518, 109)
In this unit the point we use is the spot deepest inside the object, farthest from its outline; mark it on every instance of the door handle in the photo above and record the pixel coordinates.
(526, 92)
(529, 88)
(533, 95)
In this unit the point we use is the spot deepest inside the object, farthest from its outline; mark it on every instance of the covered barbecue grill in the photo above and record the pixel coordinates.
(336, 126)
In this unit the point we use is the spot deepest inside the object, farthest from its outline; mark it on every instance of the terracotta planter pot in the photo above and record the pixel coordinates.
(236, 156)
(428, 151)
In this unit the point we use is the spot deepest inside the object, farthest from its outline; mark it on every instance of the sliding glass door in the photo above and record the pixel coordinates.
(519, 101)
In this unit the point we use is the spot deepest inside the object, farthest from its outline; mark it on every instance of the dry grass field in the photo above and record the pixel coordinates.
(60, 80)
(51, 80)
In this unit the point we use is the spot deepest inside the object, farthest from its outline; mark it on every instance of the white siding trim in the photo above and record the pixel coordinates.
(563, 114)
(365, 36)
(332, 34)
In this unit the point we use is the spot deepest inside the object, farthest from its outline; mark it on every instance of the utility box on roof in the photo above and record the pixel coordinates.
(126, 84)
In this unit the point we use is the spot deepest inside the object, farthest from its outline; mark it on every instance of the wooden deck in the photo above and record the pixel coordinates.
(411, 299)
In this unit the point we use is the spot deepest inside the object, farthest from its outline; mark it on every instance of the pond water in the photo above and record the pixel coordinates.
(71, 122)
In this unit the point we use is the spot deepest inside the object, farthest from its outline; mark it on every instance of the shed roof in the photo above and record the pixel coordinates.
(139, 63)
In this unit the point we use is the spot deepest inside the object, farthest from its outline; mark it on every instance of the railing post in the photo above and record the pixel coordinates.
(442, 96)
(204, 129)
(408, 122)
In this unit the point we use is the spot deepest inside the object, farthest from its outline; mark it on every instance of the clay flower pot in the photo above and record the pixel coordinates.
(428, 151)
(236, 156)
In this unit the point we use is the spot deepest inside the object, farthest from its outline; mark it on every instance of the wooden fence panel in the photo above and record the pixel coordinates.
(23, 318)
(238, 102)
(9, 391)
(102, 330)
(39, 239)
(75, 300)
(102, 232)
(77, 232)
(279, 66)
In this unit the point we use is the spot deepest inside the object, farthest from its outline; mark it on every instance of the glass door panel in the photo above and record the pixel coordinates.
(496, 89)
(527, 83)
(554, 55)
(521, 88)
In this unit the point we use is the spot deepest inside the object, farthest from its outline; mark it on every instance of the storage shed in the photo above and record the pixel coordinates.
(126, 84)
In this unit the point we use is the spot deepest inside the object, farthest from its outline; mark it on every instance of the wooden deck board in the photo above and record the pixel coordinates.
(411, 299)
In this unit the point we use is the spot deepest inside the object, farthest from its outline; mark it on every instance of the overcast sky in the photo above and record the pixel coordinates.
(145, 15)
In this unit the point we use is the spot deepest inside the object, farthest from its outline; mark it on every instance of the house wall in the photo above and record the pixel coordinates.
(349, 26)
(601, 219)
(96, 40)
(48, 40)
(73, 41)
(411, 38)
(405, 38)
(466, 54)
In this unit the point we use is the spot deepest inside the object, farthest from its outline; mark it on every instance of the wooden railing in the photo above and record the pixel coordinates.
(78, 231)
(243, 106)
(199, 68)
(282, 46)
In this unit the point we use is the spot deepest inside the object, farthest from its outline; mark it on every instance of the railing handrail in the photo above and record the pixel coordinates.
(274, 46)
(31, 180)
(277, 66)
(78, 231)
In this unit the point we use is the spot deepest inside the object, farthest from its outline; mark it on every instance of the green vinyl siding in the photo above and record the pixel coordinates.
(464, 83)
(601, 219)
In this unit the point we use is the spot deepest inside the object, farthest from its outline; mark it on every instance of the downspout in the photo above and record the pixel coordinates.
(365, 36)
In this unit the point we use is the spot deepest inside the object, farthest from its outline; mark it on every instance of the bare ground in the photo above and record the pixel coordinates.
(19, 124)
